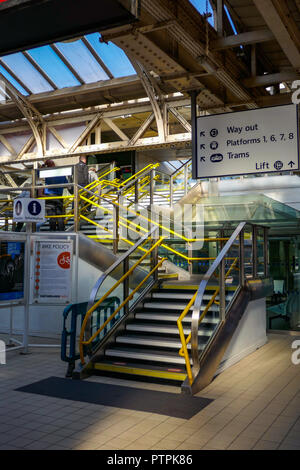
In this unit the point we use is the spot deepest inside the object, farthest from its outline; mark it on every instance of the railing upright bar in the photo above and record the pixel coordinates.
(242, 257)
(151, 187)
(185, 180)
(201, 290)
(266, 252)
(115, 228)
(254, 251)
(76, 201)
(171, 191)
(126, 284)
(222, 283)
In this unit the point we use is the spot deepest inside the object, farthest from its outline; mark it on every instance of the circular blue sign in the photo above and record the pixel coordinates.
(34, 208)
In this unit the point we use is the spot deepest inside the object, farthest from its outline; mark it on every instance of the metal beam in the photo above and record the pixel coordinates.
(142, 129)
(94, 122)
(8, 146)
(34, 118)
(187, 126)
(97, 57)
(270, 79)
(277, 25)
(243, 39)
(116, 129)
(220, 17)
(15, 77)
(67, 63)
(154, 94)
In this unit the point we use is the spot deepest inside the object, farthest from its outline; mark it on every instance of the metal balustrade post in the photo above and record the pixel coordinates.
(185, 179)
(171, 191)
(254, 251)
(76, 200)
(116, 227)
(33, 190)
(222, 293)
(136, 191)
(266, 251)
(151, 187)
(242, 258)
(113, 173)
(154, 261)
(126, 284)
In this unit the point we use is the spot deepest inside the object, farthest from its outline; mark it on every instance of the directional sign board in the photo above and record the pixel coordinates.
(256, 141)
(29, 210)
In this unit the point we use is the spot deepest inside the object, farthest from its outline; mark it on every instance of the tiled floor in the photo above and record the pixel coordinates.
(256, 406)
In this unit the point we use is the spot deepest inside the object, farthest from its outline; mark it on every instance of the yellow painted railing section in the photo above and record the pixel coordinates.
(186, 340)
(120, 281)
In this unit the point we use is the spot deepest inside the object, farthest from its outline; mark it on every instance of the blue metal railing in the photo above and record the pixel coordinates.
(70, 327)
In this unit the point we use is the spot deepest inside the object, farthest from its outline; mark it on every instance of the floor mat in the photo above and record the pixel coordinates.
(151, 401)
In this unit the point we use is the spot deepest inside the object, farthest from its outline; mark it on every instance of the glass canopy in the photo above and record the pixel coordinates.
(255, 208)
(65, 64)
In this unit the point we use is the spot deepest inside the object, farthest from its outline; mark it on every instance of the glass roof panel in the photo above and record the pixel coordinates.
(13, 81)
(27, 73)
(82, 60)
(53, 66)
(113, 57)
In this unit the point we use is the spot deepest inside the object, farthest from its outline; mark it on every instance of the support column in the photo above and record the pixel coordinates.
(76, 200)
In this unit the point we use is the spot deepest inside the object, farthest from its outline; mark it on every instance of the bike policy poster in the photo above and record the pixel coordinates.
(53, 271)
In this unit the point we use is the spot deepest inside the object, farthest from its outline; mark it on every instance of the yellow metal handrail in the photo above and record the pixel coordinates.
(187, 258)
(122, 279)
(183, 352)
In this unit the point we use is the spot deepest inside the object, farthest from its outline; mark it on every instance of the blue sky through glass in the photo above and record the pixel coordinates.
(82, 60)
(201, 6)
(230, 20)
(113, 57)
(12, 81)
(53, 66)
(28, 74)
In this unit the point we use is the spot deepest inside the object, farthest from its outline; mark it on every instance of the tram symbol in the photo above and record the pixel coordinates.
(278, 165)
(216, 158)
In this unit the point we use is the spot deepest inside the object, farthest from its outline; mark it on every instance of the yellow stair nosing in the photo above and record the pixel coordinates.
(194, 287)
(142, 372)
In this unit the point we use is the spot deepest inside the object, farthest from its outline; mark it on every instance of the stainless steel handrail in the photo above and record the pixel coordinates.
(176, 171)
(201, 291)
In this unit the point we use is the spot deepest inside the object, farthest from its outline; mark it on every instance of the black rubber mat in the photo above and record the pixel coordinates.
(170, 404)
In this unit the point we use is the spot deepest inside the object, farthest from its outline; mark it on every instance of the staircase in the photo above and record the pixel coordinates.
(148, 345)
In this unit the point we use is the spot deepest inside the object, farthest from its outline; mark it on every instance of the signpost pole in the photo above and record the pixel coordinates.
(27, 283)
(193, 94)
